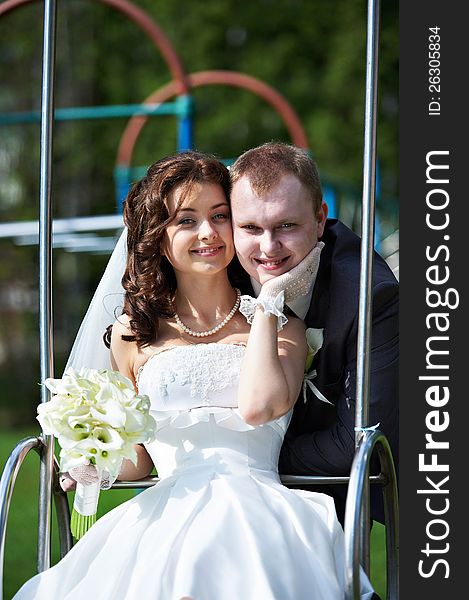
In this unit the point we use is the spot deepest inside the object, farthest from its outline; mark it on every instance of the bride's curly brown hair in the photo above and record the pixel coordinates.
(149, 280)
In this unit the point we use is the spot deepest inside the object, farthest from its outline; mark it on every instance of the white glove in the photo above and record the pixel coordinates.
(284, 288)
(85, 475)
(297, 281)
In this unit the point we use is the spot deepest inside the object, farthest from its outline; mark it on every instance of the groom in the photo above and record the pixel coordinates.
(278, 217)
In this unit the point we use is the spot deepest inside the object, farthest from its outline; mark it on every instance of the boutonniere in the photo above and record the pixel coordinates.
(314, 339)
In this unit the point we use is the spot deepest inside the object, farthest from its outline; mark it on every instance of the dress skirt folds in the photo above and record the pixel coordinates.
(219, 525)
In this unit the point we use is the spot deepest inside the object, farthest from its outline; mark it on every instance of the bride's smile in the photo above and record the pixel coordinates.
(207, 251)
(199, 240)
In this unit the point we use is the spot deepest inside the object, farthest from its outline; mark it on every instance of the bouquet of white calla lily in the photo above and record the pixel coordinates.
(70, 459)
(107, 439)
(109, 412)
(78, 423)
(97, 418)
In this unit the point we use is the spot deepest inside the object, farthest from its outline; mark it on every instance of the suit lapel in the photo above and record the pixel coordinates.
(318, 309)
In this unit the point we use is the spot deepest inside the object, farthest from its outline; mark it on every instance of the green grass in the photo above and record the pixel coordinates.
(378, 559)
(21, 540)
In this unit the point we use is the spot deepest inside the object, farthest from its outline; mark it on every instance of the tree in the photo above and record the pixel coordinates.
(311, 51)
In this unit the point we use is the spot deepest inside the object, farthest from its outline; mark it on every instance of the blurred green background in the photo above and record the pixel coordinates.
(311, 51)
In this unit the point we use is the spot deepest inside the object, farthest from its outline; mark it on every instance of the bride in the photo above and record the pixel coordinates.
(222, 384)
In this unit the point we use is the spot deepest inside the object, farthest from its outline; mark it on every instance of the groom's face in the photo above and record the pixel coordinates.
(275, 230)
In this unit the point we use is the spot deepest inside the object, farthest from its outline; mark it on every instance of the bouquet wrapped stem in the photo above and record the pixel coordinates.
(85, 507)
(97, 417)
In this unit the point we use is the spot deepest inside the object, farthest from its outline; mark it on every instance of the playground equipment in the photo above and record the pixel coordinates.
(123, 170)
(367, 439)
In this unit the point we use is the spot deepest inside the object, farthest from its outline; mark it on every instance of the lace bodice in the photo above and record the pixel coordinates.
(193, 392)
(203, 371)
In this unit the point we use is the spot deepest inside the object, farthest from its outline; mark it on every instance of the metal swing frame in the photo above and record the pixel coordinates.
(367, 441)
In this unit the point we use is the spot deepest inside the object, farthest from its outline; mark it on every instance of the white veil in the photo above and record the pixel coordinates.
(106, 305)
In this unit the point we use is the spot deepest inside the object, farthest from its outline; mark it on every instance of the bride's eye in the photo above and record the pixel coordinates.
(221, 217)
(186, 221)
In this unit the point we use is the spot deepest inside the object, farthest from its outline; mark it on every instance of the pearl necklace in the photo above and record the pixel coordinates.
(228, 318)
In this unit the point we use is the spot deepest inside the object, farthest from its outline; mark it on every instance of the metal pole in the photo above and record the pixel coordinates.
(372, 441)
(367, 243)
(7, 485)
(45, 288)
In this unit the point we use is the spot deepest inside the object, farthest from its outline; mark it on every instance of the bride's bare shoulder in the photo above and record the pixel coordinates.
(121, 325)
(123, 351)
(121, 334)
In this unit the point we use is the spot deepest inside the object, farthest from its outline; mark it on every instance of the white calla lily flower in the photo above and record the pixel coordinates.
(97, 417)
(314, 339)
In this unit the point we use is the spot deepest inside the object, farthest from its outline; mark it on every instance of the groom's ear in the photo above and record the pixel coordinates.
(321, 217)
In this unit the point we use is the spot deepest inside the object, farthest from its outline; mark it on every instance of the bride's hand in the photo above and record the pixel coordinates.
(84, 474)
(67, 483)
(296, 282)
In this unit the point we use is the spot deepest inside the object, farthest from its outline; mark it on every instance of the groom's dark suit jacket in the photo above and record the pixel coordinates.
(320, 439)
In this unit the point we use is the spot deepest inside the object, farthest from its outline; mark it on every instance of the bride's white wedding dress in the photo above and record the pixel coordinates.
(219, 525)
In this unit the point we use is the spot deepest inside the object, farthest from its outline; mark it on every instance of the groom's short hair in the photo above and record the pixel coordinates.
(266, 164)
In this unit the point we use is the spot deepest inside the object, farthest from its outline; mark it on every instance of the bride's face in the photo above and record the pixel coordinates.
(200, 238)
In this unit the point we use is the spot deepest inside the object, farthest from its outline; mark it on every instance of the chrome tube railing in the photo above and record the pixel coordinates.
(45, 280)
(62, 510)
(289, 480)
(367, 246)
(359, 478)
(7, 485)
